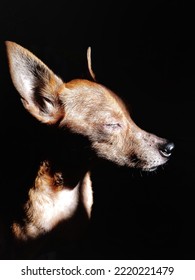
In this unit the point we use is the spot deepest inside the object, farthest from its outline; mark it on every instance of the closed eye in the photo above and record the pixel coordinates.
(112, 126)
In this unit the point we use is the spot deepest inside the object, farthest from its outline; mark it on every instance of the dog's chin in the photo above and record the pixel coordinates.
(150, 169)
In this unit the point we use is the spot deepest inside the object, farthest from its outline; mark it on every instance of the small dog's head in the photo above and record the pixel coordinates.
(87, 108)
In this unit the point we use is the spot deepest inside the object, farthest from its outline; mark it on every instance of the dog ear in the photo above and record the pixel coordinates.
(37, 84)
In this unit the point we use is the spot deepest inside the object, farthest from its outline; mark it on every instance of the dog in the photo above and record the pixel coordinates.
(61, 195)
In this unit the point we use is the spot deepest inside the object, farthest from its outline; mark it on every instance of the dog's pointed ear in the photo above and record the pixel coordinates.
(37, 84)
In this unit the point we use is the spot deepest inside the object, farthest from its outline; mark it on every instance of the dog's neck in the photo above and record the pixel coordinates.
(61, 186)
(66, 154)
(69, 157)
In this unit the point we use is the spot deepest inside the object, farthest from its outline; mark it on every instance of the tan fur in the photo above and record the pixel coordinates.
(50, 202)
(86, 108)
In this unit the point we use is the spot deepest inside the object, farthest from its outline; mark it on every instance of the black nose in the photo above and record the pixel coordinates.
(167, 149)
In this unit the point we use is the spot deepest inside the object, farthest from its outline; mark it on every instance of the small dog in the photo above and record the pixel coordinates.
(61, 194)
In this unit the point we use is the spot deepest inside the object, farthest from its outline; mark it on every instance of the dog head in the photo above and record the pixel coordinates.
(87, 108)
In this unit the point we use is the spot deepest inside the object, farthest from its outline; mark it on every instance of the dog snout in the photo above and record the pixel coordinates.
(167, 149)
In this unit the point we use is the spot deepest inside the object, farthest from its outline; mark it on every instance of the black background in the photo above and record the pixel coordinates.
(144, 51)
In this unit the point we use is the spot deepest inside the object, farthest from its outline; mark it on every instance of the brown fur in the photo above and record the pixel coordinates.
(86, 108)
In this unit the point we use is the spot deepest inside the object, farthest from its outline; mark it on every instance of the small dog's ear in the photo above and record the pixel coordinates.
(89, 63)
(37, 84)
